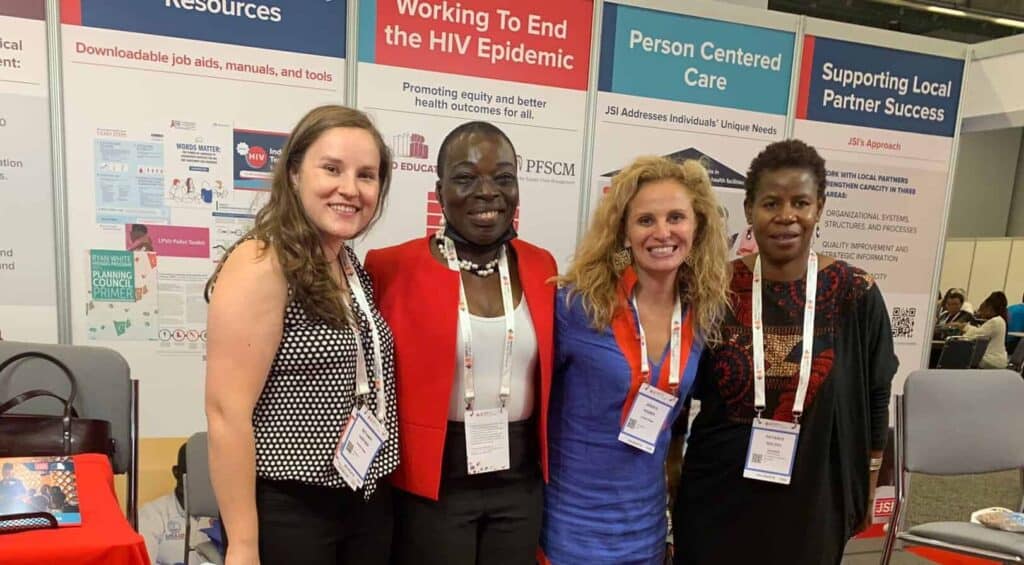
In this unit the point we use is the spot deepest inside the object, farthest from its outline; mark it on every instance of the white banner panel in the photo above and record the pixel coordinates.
(524, 69)
(884, 121)
(690, 88)
(174, 120)
(28, 298)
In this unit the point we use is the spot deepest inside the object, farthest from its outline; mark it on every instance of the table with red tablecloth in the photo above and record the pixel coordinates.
(103, 538)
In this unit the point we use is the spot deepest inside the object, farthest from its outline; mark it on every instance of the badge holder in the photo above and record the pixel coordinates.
(360, 441)
(487, 440)
(772, 450)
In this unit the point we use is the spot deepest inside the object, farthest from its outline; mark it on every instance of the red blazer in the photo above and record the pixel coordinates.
(419, 298)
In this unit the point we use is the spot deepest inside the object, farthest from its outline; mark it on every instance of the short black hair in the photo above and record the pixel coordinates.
(997, 302)
(954, 293)
(468, 127)
(182, 462)
(781, 155)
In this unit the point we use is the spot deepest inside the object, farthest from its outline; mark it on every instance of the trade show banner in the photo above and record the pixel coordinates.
(426, 67)
(884, 120)
(690, 88)
(175, 113)
(28, 295)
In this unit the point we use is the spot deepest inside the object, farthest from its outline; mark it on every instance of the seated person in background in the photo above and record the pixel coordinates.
(162, 523)
(1014, 323)
(994, 309)
(952, 309)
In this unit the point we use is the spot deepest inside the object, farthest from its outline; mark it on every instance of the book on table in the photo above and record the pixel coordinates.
(31, 485)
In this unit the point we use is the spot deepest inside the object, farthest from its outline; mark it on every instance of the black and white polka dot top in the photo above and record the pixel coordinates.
(310, 393)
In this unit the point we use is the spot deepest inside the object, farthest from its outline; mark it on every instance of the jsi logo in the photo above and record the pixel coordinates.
(885, 506)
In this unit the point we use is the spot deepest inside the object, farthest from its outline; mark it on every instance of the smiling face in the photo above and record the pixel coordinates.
(338, 184)
(661, 226)
(783, 213)
(479, 190)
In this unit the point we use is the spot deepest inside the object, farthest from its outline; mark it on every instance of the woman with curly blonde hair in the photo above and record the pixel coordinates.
(646, 291)
(300, 363)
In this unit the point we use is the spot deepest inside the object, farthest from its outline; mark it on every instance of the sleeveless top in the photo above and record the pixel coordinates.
(310, 392)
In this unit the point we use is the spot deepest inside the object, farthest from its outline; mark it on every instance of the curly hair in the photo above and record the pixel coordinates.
(703, 280)
(784, 154)
(283, 225)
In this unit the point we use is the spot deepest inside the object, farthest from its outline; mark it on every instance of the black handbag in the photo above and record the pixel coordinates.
(34, 435)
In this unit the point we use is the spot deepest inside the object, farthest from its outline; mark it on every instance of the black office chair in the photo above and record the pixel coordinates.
(1017, 359)
(956, 354)
(980, 347)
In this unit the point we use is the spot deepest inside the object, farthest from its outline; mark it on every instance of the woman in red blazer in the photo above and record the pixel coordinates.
(473, 374)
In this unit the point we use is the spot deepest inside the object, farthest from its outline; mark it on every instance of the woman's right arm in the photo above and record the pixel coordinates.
(243, 333)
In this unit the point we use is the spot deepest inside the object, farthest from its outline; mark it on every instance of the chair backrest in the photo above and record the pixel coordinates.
(198, 488)
(956, 354)
(1017, 359)
(959, 422)
(104, 388)
(980, 347)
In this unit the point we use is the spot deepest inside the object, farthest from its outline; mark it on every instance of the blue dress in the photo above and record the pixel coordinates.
(606, 501)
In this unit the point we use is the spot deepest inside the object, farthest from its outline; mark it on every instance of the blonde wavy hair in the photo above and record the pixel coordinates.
(703, 279)
(283, 226)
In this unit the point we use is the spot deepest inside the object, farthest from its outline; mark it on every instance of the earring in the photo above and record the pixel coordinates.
(750, 234)
(817, 231)
(622, 259)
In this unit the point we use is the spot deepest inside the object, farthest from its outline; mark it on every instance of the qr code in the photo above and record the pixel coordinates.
(631, 424)
(903, 318)
(756, 458)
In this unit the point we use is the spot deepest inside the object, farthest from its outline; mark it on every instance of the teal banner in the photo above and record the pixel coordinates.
(113, 275)
(689, 59)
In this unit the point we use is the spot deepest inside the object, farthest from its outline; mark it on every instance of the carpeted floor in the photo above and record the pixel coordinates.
(954, 498)
(940, 499)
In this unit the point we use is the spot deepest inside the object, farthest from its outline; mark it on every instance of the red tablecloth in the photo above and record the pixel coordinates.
(104, 538)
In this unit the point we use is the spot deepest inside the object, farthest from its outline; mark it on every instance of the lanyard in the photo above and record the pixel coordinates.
(808, 337)
(467, 330)
(677, 335)
(362, 380)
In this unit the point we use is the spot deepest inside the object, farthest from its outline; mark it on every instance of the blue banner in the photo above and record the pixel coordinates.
(316, 27)
(862, 85)
(256, 154)
(674, 57)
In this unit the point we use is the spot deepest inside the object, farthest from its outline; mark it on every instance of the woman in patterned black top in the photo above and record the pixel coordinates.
(721, 516)
(287, 323)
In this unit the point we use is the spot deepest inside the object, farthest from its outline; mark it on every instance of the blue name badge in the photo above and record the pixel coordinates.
(772, 451)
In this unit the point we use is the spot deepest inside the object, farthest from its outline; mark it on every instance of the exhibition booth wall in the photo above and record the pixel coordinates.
(137, 139)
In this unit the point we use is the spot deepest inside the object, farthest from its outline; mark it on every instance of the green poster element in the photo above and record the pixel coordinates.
(113, 275)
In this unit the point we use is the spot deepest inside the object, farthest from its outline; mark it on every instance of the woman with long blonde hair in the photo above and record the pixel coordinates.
(645, 293)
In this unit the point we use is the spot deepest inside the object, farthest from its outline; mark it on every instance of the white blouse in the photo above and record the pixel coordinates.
(995, 329)
(488, 344)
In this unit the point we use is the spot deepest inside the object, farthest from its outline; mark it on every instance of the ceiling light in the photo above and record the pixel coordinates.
(946, 11)
(1009, 22)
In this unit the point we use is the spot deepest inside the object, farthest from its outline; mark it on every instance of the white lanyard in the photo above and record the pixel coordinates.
(362, 381)
(677, 337)
(808, 337)
(467, 330)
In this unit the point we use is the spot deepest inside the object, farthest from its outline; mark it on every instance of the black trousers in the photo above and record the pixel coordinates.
(314, 525)
(490, 519)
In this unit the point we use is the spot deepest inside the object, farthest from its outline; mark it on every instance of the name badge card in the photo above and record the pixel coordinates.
(361, 439)
(487, 441)
(647, 418)
(772, 451)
